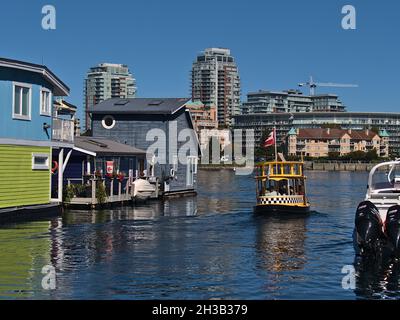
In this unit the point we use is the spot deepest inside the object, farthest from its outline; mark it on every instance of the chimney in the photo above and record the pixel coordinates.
(367, 132)
(328, 131)
(349, 131)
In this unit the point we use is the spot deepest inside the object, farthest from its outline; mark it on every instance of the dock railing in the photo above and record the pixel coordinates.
(94, 191)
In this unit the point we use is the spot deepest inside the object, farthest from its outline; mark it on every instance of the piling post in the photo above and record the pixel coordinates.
(93, 200)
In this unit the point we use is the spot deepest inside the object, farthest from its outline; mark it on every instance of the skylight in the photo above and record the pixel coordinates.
(97, 143)
(121, 102)
(155, 102)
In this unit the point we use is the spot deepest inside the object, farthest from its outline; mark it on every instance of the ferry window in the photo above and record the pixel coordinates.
(45, 102)
(40, 161)
(22, 102)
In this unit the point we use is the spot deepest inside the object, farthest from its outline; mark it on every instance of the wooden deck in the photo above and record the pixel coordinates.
(117, 192)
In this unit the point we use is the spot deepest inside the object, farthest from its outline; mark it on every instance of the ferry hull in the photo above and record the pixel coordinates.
(269, 209)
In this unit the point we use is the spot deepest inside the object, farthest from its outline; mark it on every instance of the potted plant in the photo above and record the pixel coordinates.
(121, 176)
(98, 174)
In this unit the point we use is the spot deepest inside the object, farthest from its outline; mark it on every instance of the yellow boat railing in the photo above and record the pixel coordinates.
(281, 183)
(276, 169)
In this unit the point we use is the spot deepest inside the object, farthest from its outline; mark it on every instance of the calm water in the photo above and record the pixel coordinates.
(209, 247)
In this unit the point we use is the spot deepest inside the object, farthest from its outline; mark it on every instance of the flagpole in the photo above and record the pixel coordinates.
(276, 147)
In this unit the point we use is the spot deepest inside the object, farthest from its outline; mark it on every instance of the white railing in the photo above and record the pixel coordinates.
(63, 130)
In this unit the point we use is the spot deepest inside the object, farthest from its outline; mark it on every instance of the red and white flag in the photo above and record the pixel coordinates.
(270, 140)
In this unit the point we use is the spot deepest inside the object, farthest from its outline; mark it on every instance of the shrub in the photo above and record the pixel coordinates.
(101, 194)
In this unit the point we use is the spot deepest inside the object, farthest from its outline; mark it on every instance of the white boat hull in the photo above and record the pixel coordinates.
(143, 190)
(377, 221)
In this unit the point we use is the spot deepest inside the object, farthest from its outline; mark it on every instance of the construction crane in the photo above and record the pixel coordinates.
(313, 85)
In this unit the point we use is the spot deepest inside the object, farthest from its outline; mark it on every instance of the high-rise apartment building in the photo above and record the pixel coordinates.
(216, 82)
(290, 101)
(107, 81)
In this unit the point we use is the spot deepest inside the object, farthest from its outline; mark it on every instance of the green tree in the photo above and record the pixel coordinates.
(371, 155)
(333, 155)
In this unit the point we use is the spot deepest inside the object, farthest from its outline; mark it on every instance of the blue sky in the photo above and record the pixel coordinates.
(277, 44)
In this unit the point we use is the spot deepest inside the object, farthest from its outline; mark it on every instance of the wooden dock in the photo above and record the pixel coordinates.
(104, 192)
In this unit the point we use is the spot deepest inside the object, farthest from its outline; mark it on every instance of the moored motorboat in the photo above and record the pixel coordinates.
(143, 189)
(377, 220)
(281, 188)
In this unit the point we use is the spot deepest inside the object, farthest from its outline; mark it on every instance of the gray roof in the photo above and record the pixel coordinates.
(140, 105)
(104, 146)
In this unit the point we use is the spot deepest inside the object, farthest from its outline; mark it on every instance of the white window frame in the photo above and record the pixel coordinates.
(44, 112)
(175, 161)
(20, 116)
(41, 166)
(191, 170)
(103, 122)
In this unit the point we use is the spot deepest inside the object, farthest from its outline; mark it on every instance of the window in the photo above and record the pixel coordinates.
(175, 161)
(40, 161)
(45, 102)
(191, 170)
(108, 122)
(22, 102)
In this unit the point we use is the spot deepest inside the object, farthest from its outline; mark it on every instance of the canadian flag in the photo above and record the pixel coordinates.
(270, 141)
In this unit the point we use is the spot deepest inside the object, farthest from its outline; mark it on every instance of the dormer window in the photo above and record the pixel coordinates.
(22, 94)
(45, 102)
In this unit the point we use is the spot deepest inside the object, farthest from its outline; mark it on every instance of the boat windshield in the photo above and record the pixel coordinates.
(280, 187)
(385, 178)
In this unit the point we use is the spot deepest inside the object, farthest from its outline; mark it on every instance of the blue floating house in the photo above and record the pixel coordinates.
(161, 126)
(27, 139)
(97, 160)
(90, 156)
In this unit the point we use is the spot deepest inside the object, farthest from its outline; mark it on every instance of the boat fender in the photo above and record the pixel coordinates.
(55, 167)
(392, 228)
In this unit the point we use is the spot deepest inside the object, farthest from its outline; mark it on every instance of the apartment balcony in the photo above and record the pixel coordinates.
(63, 130)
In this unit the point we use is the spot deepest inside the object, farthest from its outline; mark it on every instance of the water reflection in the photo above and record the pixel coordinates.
(178, 207)
(204, 247)
(280, 242)
(377, 280)
(23, 251)
(224, 192)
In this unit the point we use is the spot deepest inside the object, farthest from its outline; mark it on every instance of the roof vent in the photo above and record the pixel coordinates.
(97, 143)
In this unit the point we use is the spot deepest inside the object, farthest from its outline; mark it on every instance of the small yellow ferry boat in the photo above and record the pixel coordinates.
(281, 187)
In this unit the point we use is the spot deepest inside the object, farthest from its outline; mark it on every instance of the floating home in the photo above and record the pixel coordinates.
(27, 124)
(137, 121)
(95, 161)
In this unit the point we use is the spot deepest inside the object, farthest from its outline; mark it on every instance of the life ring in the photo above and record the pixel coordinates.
(172, 173)
(55, 167)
